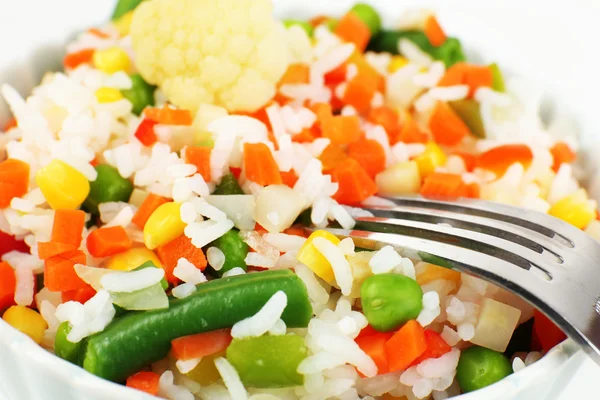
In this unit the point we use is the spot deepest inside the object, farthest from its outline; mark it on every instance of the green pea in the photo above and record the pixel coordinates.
(109, 186)
(141, 94)
(369, 16)
(469, 111)
(390, 300)
(229, 185)
(235, 250)
(498, 79)
(479, 367)
(268, 361)
(64, 348)
(302, 24)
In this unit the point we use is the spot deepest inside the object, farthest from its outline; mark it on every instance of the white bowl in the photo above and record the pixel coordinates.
(551, 43)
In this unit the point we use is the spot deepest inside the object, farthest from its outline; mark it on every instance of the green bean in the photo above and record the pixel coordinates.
(138, 339)
(390, 300)
(268, 361)
(123, 7)
(387, 41)
(63, 347)
(141, 94)
(235, 250)
(498, 79)
(109, 186)
(229, 185)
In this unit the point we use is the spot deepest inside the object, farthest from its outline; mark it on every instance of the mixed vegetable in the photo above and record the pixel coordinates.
(175, 257)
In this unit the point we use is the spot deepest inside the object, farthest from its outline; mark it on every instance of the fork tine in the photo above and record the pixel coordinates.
(517, 234)
(529, 219)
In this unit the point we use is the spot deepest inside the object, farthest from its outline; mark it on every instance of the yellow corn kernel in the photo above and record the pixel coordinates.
(575, 209)
(26, 320)
(164, 225)
(111, 60)
(430, 159)
(108, 95)
(427, 272)
(206, 372)
(63, 186)
(397, 63)
(313, 259)
(123, 24)
(131, 259)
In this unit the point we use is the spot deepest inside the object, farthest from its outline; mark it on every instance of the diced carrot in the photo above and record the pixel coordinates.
(145, 132)
(469, 159)
(336, 75)
(332, 156)
(146, 381)
(389, 119)
(151, 203)
(323, 112)
(14, 180)
(546, 331)
(436, 347)
(318, 20)
(68, 227)
(561, 153)
(59, 272)
(369, 154)
(169, 116)
(8, 284)
(259, 164)
(79, 295)
(475, 76)
(374, 346)
(289, 178)
(12, 123)
(434, 31)
(295, 74)
(260, 229)
(367, 72)
(342, 129)
(442, 184)
(355, 185)
(411, 133)
(367, 331)
(336, 103)
(500, 158)
(201, 344)
(446, 126)
(73, 60)
(307, 135)
(200, 157)
(352, 29)
(180, 247)
(106, 242)
(359, 93)
(10, 243)
(51, 249)
(261, 115)
(407, 344)
(99, 33)
(295, 231)
(473, 190)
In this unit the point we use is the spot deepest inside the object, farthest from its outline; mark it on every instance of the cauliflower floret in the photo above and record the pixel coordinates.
(230, 53)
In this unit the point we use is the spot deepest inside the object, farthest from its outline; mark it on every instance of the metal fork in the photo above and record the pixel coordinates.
(548, 262)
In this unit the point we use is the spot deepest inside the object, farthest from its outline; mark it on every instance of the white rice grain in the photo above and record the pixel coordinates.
(450, 336)
(205, 232)
(128, 282)
(24, 285)
(215, 257)
(264, 320)
(184, 290)
(187, 212)
(284, 242)
(414, 53)
(385, 260)
(123, 218)
(449, 93)
(187, 272)
(341, 267)
(185, 366)
(258, 260)
(279, 328)
(342, 216)
(207, 210)
(231, 378)
(234, 272)
(171, 391)
(316, 292)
